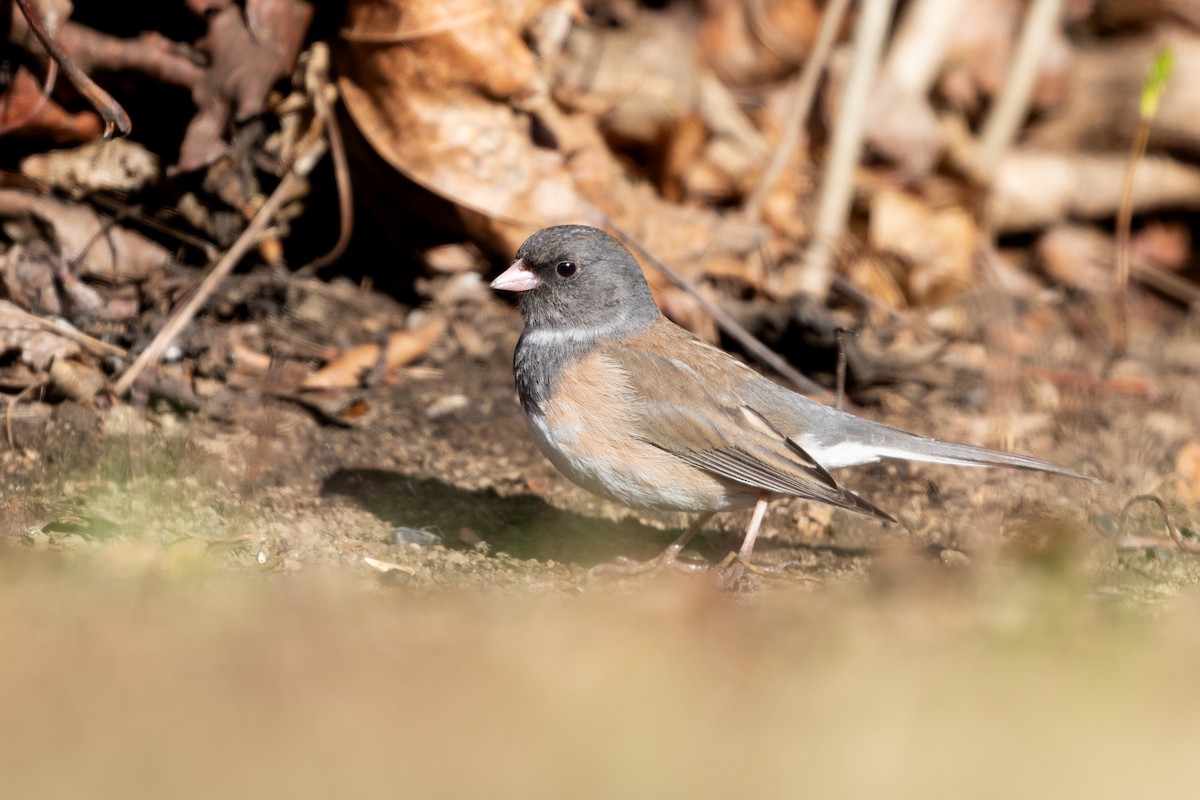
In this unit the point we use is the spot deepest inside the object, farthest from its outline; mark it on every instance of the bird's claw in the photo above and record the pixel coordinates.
(623, 567)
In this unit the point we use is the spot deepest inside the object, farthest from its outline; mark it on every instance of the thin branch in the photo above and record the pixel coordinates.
(341, 176)
(723, 319)
(1006, 116)
(841, 366)
(1152, 91)
(799, 108)
(837, 190)
(116, 121)
(1183, 545)
(12, 404)
(93, 345)
(285, 191)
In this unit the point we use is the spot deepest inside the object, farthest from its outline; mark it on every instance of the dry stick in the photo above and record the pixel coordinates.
(341, 177)
(799, 108)
(183, 316)
(1010, 109)
(1166, 282)
(122, 213)
(723, 319)
(1124, 223)
(12, 404)
(93, 345)
(1136, 542)
(837, 191)
(918, 48)
(1152, 91)
(116, 121)
(841, 366)
(998, 131)
(208, 248)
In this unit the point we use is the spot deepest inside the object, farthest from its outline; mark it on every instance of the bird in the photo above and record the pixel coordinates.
(636, 409)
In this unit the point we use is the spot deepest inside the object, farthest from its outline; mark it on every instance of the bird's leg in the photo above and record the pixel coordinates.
(732, 565)
(668, 558)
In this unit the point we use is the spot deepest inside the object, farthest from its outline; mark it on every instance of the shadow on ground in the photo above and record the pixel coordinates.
(523, 527)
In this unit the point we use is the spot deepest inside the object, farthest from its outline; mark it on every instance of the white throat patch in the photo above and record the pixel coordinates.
(584, 333)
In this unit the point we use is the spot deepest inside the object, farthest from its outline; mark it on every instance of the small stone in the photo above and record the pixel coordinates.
(954, 558)
(447, 404)
(414, 536)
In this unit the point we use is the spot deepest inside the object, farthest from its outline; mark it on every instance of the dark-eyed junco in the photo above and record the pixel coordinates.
(634, 408)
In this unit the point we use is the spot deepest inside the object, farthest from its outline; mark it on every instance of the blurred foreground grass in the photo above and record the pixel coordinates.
(1024, 684)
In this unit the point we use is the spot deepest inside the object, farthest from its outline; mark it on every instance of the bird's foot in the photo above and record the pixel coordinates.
(734, 567)
(624, 567)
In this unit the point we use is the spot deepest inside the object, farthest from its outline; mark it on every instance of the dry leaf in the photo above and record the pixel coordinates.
(1035, 188)
(116, 165)
(938, 242)
(1187, 473)
(1077, 257)
(102, 249)
(757, 42)
(1167, 245)
(421, 81)
(347, 370)
(875, 276)
(453, 258)
(38, 347)
(75, 380)
(448, 94)
(639, 80)
(26, 112)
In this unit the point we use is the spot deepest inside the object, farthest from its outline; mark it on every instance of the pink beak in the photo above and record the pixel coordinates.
(516, 278)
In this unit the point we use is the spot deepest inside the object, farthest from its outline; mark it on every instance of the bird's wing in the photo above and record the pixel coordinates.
(688, 407)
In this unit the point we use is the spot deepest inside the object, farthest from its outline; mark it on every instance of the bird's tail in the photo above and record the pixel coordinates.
(920, 448)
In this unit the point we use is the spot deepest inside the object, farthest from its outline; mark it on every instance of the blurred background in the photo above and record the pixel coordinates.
(270, 521)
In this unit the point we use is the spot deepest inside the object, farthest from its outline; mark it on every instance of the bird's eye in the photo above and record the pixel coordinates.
(566, 269)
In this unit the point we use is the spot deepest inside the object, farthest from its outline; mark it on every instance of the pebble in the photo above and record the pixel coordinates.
(414, 536)
(446, 404)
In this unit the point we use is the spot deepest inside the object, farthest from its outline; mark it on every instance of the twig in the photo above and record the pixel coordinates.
(1152, 91)
(116, 121)
(1166, 282)
(837, 190)
(106, 225)
(726, 322)
(136, 214)
(93, 345)
(8, 412)
(325, 112)
(917, 50)
(1183, 545)
(841, 366)
(799, 107)
(1010, 108)
(183, 316)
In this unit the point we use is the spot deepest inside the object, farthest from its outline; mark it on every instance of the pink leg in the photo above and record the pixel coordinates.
(760, 511)
(734, 564)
